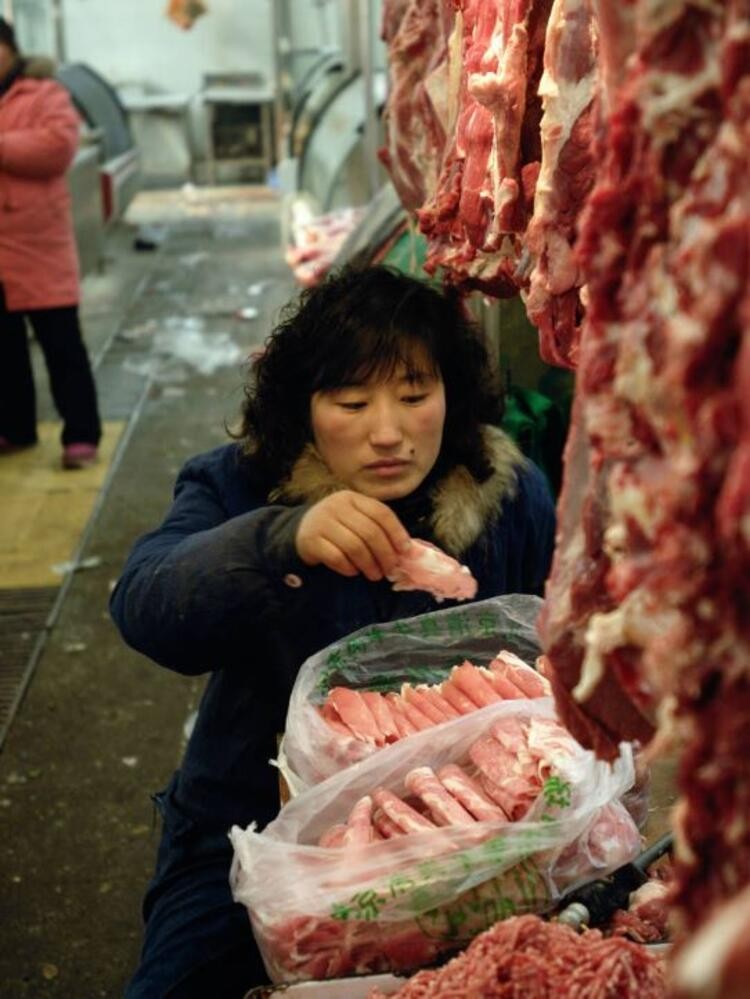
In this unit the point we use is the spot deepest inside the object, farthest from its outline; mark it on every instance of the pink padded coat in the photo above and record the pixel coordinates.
(39, 131)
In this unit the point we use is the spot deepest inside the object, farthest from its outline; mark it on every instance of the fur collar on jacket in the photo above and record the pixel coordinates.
(461, 506)
(33, 68)
(38, 68)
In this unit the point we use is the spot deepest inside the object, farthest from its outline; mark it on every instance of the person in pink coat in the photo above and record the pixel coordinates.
(39, 131)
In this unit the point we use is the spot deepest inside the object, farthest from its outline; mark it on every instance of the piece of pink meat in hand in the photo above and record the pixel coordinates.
(426, 567)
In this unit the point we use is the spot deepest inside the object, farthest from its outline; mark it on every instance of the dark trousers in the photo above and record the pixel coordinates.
(198, 942)
(71, 381)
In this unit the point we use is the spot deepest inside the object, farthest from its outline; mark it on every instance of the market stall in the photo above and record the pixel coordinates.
(590, 160)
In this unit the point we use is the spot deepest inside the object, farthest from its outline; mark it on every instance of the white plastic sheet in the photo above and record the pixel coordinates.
(396, 904)
(417, 650)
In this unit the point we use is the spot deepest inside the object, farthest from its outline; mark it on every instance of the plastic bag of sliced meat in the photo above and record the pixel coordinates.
(413, 851)
(421, 653)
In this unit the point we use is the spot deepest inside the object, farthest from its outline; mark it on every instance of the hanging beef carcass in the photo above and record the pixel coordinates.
(585, 52)
(416, 113)
(627, 218)
(471, 70)
(391, 15)
(474, 219)
(647, 617)
(552, 297)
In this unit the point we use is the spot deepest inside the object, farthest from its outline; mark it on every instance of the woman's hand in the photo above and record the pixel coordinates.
(352, 533)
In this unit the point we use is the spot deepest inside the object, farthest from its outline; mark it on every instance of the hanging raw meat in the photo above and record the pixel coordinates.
(647, 617)
(471, 70)
(716, 963)
(553, 301)
(416, 113)
(317, 240)
(391, 15)
(475, 218)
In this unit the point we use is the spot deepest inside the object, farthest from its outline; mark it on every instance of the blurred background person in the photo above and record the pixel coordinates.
(39, 275)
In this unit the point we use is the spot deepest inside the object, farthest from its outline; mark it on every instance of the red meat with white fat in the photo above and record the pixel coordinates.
(567, 89)
(646, 619)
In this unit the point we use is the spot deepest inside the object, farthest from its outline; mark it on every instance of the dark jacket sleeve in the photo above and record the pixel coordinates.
(199, 590)
(539, 507)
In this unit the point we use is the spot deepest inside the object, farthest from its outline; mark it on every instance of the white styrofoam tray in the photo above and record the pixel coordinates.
(336, 988)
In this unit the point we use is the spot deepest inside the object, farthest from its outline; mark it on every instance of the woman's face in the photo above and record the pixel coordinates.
(382, 438)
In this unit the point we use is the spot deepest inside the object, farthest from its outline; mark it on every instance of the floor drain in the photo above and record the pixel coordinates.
(23, 617)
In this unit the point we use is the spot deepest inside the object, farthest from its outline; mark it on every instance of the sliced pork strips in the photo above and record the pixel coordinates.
(379, 719)
(500, 780)
(404, 857)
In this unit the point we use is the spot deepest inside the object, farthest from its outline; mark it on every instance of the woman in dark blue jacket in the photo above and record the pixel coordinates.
(368, 420)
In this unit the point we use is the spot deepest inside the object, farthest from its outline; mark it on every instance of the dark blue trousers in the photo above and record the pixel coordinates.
(198, 942)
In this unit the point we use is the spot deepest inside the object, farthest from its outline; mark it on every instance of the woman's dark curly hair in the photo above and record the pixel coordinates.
(356, 324)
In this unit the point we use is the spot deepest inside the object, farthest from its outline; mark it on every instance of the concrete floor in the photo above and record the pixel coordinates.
(101, 728)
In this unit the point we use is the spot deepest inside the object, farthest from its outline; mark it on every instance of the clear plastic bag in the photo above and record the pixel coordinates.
(396, 904)
(382, 657)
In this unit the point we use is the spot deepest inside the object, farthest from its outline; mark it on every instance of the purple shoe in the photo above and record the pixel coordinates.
(79, 455)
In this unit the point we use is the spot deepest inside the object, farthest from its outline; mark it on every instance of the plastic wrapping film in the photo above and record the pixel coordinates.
(382, 657)
(397, 904)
